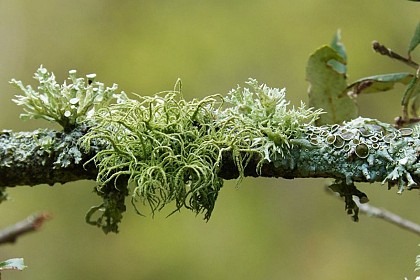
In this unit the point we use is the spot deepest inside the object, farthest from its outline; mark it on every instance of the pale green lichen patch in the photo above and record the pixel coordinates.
(264, 112)
(68, 104)
(364, 150)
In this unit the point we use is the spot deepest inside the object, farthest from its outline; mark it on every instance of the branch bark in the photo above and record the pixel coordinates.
(363, 150)
(43, 157)
(390, 217)
(49, 157)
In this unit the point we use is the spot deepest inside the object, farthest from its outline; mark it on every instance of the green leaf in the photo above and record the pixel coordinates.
(410, 101)
(12, 264)
(328, 86)
(341, 50)
(415, 40)
(379, 83)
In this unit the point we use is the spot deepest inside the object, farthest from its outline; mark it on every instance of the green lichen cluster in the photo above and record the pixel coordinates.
(68, 104)
(163, 149)
(171, 149)
(167, 148)
(263, 112)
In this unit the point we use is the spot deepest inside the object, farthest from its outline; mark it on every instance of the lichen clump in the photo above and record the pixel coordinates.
(264, 113)
(68, 104)
(171, 149)
(385, 153)
(164, 148)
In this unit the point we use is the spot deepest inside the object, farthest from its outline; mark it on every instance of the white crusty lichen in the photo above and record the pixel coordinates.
(68, 104)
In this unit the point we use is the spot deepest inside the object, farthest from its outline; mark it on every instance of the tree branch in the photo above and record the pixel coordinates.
(385, 215)
(43, 157)
(389, 217)
(48, 157)
(31, 223)
(173, 150)
(381, 49)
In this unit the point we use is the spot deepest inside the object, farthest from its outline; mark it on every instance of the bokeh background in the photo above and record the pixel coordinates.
(263, 229)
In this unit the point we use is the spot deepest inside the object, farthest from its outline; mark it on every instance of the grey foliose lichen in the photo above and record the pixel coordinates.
(367, 150)
(39, 156)
(361, 150)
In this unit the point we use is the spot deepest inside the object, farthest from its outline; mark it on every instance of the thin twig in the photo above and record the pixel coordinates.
(379, 48)
(383, 214)
(389, 217)
(31, 223)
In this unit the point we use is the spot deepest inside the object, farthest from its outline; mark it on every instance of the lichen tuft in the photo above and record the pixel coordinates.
(263, 112)
(171, 149)
(163, 149)
(167, 147)
(67, 104)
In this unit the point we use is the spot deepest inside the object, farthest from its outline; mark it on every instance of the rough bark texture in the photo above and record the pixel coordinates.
(43, 157)
(49, 157)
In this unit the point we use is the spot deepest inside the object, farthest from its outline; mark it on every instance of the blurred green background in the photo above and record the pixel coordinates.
(266, 228)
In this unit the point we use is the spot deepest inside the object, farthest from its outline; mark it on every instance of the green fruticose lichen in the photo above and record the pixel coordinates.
(263, 112)
(67, 104)
(166, 149)
(163, 149)
(171, 149)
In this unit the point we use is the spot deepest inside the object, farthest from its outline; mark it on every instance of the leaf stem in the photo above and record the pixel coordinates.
(379, 48)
